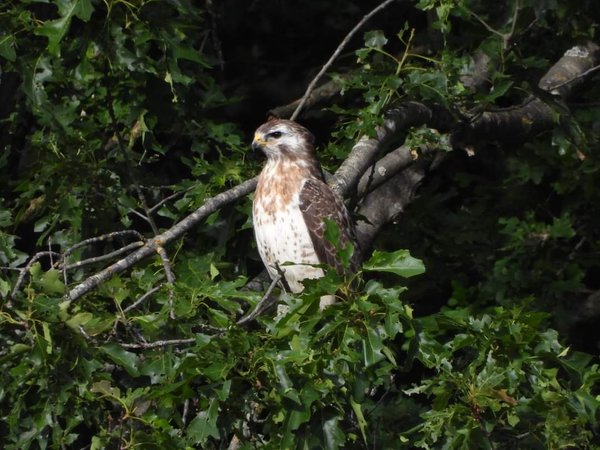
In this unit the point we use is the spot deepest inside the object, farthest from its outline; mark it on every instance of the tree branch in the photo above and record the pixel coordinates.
(577, 63)
(364, 153)
(151, 246)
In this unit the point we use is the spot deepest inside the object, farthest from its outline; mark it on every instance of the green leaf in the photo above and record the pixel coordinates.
(334, 436)
(499, 90)
(375, 39)
(4, 287)
(7, 47)
(372, 347)
(79, 319)
(204, 424)
(399, 262)
(129, 361)
(362, 423)
(332, 231)
(52, 283)
(104, 387)
(55, 30)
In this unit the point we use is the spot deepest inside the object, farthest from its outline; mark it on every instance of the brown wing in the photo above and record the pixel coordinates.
(318, 202)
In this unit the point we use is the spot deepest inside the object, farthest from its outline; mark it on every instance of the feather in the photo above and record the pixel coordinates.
(317, 203)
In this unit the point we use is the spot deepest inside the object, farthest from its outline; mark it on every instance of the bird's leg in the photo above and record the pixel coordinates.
(281, 276)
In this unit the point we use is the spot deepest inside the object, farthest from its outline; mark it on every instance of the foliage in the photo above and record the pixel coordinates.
(118, 105)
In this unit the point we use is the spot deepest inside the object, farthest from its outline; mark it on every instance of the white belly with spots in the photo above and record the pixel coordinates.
(282, 236)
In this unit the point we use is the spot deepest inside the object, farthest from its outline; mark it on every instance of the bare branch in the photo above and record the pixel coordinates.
(504, 36)
(105, 257)
(389, 166)
(154, 208)
(317, 96)
(105, 237)
(94, 240)
(386, 203)
(158, 344)
(170, 276)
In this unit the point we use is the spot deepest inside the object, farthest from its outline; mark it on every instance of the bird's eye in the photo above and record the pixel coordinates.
(274, 134)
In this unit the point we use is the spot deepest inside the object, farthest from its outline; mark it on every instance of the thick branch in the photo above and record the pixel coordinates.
(515, 124)
(518, 123)
(388, 166)
(570, 70)
(364, 153)
(387, 202)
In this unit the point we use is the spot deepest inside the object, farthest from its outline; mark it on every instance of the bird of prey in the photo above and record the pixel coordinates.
(290, 206)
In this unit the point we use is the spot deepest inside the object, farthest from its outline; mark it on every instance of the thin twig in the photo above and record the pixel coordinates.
(107, 256)
(170, 277)
(140, 215)
(103, 238)
(265, 302)
(143, 298)
(169, 198)
(186, 408)
(504, 36)
(157, 344)
(335, 54)
(25, 270)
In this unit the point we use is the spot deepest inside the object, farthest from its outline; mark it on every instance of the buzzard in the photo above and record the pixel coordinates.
(290, 206)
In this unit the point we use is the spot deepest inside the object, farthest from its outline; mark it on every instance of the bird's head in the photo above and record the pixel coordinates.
(280, 138)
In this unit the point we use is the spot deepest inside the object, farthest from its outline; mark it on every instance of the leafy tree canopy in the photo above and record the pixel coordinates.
(464, 134)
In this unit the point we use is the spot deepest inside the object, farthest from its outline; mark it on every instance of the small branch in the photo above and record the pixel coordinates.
(158, 344)
(165, 343)
(317, 96)
(104, 257)
(150, 247)
(154, 208)
(265, 303)
(143, 298)
(170, 277)
(335, 54)
(25, 270)
(94, 240)
(504, 36)
(104, 238)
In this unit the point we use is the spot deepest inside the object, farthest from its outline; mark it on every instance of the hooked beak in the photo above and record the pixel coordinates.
(258, 143)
